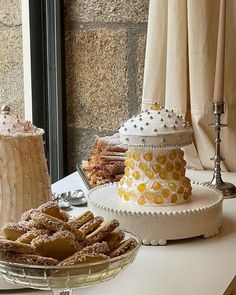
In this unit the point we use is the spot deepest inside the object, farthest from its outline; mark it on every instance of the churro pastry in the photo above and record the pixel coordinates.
(107, 161)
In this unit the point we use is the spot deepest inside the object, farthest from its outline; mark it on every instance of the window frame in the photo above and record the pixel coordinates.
(44, 77)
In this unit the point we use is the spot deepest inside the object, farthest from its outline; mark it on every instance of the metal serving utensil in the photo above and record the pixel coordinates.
(70, 198)
(75, 198)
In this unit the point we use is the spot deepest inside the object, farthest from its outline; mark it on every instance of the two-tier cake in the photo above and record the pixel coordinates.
(155, 165)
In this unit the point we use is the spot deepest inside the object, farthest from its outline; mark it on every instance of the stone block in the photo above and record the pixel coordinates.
(10, 13)
(135, 11)
(79, 146)
(97, 83)
(11, 68)
(140, 62)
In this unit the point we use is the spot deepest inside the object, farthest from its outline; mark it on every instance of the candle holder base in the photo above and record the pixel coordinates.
(228, 189)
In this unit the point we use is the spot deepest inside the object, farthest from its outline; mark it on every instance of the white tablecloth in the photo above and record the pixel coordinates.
(195, 266)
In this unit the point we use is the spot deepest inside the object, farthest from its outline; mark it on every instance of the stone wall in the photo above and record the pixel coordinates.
(105, 47)
(11, 56)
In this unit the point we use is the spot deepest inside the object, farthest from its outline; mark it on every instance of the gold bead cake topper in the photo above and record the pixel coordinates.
(156, 106)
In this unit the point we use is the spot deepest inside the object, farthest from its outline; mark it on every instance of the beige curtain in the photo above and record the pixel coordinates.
(180, 67)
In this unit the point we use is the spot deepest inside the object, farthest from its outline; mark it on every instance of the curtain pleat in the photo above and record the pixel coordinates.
(180, 67)
(154, 76)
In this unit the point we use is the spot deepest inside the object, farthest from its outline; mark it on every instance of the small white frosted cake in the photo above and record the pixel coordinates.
(155, 165)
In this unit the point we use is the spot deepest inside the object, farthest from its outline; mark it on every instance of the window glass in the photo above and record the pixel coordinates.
(104, 49)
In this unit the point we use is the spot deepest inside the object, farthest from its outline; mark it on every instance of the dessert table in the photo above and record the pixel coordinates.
(192, 266)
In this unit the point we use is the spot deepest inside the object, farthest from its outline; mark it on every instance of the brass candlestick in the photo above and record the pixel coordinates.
(228, 189)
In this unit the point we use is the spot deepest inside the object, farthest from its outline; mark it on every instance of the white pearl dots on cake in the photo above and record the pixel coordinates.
(156, 129)
(155, 165)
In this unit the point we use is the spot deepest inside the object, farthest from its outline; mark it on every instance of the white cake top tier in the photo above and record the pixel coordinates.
(160, 128)
(13, 125)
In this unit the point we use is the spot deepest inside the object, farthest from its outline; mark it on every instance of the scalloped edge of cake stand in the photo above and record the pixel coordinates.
(156, 225)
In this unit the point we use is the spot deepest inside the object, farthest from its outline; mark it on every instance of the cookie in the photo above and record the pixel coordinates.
(91, 225)
(58, 246)
(63, 215)
(12, 231)
(16, 247)
(101, 232)
(55, 224)
(33, 225)
(97, 248)
(124, 247)
(101, 248)
(114, 238)
(32, 234)
(31, 259)
(26, 216)
(81, 219)
(82, 259)
(51, 208)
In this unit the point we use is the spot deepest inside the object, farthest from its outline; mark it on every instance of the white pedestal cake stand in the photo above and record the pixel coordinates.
(202, 216)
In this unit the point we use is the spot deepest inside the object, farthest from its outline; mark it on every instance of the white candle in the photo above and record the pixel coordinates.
(220, 56)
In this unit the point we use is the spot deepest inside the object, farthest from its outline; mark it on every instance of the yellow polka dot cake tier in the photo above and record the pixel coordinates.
(155, 177)
(155, 165)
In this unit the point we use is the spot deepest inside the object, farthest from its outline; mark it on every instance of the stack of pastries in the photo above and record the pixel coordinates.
(45, 236)
(107, 161)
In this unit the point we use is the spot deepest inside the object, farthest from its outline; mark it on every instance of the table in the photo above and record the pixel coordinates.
(195, 266)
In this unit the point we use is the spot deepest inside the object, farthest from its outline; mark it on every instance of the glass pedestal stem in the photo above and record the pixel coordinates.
(62, 292)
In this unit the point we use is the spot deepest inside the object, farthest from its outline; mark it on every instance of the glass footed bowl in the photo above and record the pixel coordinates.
(63, 279)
